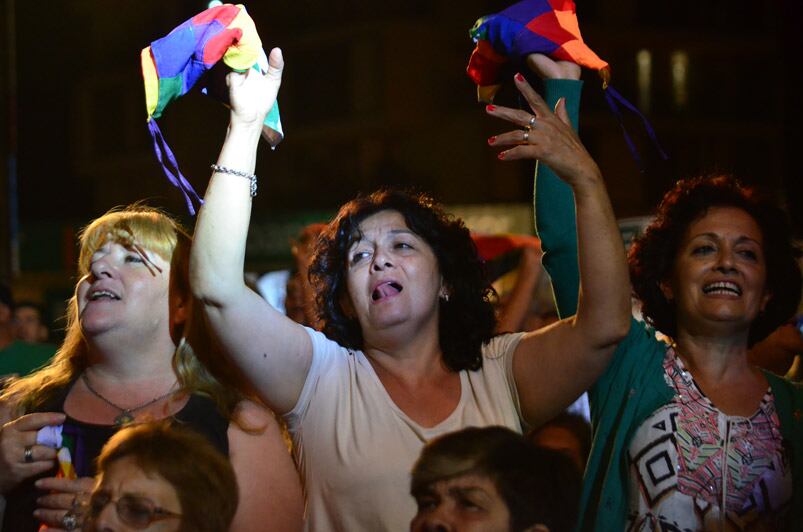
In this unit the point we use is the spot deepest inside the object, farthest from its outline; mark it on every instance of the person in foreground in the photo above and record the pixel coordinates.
(492, 479)
(688, 435)
(407, 351)
(129, 356)
(156, 477)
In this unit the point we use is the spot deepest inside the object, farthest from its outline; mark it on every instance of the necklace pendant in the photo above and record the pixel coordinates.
(123, 419)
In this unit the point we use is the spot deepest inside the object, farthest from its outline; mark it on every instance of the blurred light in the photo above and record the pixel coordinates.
(680, 78)
(214, 3)
(644, 79)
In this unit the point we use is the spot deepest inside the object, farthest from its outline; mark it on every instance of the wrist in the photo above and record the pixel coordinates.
(243, 128)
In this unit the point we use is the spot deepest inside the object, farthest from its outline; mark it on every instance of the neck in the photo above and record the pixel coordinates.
(409, 356)
(714, 357)
(130, 364)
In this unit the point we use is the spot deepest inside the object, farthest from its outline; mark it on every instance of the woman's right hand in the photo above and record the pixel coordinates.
(17, 463)
(251, 94)
(545, 136)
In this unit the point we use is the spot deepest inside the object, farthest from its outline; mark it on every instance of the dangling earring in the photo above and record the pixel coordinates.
(445, 297)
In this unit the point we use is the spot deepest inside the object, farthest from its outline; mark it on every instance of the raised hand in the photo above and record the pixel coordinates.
(251, 94)
(20, 456)
(545, 136)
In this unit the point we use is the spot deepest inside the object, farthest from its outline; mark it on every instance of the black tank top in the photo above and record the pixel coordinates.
(200, 414)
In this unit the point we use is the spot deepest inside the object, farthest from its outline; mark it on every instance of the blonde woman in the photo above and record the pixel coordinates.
(126, 358)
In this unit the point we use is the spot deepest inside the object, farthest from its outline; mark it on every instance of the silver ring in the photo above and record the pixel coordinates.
(70, 521)
(526, 134)
(531, 123)
(28, 454)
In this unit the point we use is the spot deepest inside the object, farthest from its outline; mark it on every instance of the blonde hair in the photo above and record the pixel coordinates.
(140, 227)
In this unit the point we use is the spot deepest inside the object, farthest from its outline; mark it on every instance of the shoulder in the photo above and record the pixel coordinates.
(501, 345)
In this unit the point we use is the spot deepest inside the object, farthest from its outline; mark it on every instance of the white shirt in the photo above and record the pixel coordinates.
(356, 448)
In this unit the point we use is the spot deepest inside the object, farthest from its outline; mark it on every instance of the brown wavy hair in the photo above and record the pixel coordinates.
(202, 477)
(652, 255)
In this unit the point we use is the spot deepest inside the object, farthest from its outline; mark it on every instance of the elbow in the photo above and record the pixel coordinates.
(615, 331)
(212, 292)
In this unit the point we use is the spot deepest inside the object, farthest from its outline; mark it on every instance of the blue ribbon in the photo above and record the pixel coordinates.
(612, 96)
(178, 181)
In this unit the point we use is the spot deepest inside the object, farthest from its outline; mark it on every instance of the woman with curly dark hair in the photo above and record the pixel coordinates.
(407, 351)
(688, 435)
(466, 318)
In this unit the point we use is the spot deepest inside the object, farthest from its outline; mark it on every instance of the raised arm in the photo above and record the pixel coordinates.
(271, 350)
(552, 367)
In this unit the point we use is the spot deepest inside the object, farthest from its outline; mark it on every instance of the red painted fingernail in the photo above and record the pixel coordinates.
(500, 155)
(490, 107)
(491, 140)
(519, 77)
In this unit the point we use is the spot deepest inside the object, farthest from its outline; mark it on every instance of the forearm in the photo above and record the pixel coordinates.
(555, 212)
(218, 251)
(604, 297)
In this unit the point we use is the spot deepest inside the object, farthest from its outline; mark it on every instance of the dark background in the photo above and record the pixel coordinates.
(376, 93)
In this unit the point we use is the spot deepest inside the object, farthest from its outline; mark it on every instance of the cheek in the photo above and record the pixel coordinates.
(80, 294)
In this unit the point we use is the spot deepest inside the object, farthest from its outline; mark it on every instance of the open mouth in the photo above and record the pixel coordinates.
(384, 290)
(722, 288)
(99, 295)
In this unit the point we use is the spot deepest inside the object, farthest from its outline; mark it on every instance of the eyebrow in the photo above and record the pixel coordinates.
(391, 232)
(715, 236)
(469, 490)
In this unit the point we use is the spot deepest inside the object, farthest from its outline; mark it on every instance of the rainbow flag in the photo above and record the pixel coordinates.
(191, 55)
(548, 27)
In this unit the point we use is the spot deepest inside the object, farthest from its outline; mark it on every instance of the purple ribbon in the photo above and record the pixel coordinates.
(178, 181)
(612, 96)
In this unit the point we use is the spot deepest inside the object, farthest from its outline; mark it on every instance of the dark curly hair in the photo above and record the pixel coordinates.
(467, 319)
(653, 254)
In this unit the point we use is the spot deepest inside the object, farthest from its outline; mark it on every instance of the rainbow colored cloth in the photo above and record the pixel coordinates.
(189, 55)
(548, 27)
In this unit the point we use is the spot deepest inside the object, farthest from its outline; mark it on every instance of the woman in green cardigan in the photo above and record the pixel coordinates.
(687, 434)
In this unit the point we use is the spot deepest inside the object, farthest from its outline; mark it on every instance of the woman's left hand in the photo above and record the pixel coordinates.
(545, 136)
(65, 495)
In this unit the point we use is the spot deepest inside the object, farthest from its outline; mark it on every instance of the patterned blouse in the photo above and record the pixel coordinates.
(694, 468)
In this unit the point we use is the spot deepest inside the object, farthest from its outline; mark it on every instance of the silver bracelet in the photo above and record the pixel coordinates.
(250, 177)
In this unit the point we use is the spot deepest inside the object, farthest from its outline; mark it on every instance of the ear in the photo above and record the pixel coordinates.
(179, 308)
(765, 299)
(445, 291)
(666, 290)
(347, 306)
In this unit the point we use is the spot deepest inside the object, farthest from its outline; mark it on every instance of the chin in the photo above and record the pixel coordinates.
(93, 326)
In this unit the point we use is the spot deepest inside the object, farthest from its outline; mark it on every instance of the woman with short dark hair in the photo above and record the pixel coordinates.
(494, 480)
(410, 353)
(157, 474)
(688, 434)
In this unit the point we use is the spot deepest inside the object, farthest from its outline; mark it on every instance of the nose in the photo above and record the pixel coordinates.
(436, 520)
(381, 261)
(101, 268)
(725, 260)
